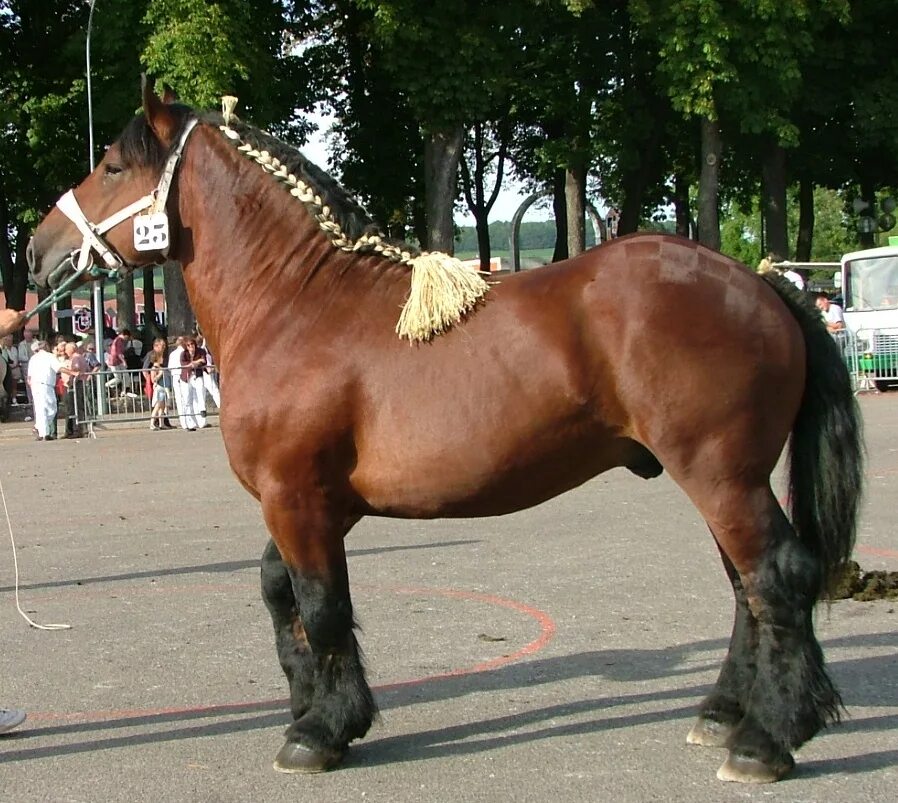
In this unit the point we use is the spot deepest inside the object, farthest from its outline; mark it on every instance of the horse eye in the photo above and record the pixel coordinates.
(113, 170)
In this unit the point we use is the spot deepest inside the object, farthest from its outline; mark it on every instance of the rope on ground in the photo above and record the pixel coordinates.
(15, 562)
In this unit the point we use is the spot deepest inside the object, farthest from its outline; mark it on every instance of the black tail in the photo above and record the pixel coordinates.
(826, 453)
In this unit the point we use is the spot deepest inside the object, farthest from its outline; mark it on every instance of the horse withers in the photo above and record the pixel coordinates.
(696, 366)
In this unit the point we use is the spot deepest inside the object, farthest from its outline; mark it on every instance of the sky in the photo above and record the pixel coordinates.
(510, 198)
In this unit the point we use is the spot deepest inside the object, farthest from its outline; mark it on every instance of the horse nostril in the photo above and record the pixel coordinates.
(29, 255)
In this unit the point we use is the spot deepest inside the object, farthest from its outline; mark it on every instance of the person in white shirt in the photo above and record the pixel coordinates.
(42, 370)
(832, 313)
(174, 365)
(794, 277)
(210, 375)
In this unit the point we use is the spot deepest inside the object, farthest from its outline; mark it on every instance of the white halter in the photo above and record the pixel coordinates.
(150, 230)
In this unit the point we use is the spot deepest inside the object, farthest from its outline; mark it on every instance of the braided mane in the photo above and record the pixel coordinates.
(442, 290)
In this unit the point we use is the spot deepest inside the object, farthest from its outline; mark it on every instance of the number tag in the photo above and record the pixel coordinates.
(151, 232)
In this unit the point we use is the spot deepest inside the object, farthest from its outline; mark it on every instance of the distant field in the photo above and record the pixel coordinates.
(530, 258)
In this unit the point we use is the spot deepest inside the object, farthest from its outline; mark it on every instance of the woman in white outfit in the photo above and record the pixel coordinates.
(43, 368)
(193, 393)
(174, 371)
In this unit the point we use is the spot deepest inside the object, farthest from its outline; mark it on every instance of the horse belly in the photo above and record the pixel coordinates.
(487, 475)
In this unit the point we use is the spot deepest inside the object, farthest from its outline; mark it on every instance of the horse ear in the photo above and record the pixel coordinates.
(168, 95)
(157, 112)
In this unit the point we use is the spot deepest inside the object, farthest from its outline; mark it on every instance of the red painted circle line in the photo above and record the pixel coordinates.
(546, 628)
(879, 552)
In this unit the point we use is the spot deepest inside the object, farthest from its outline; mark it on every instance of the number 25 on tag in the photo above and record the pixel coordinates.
(151, 232)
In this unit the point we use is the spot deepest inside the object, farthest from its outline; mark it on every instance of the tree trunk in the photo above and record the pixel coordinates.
(125, 307)
(442, 150)
(64, 322)
(180, 319)
(482, 225)
(709, 181)
(559, 207)
(150, 327)
(575, 203)
(805, 221)
(681, 206)
(14, 272)
(773, 174)
(45, 316)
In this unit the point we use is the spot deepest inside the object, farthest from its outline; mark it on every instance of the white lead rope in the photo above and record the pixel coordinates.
(15, 562)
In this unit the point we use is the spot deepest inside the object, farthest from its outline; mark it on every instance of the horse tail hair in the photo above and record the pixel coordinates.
(826, 456)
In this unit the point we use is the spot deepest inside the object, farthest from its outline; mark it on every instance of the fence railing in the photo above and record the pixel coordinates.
(128, 396)
(871, 356)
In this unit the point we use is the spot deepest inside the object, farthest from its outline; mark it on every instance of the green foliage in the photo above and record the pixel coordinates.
(451, 60)
(241, 47)
(740, 229)
(534, 235)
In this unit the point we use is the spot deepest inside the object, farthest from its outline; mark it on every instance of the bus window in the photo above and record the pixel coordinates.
(872, 283)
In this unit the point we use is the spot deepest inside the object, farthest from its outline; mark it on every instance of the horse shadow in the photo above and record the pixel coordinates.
(221, 567)
(871, 681)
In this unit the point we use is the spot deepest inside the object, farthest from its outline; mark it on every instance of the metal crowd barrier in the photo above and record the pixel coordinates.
(122, 398)
(871, 356)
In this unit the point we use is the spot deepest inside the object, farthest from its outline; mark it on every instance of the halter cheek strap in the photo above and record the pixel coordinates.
(151, 225)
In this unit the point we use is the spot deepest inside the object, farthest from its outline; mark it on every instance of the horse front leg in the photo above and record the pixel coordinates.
(305, 586)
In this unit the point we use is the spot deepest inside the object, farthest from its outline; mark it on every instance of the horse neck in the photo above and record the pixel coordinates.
(250, 252)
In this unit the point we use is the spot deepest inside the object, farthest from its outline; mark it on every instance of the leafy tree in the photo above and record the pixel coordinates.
(451, 62)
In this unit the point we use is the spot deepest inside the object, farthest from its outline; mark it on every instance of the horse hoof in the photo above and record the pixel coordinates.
(709, 733)
(743, 769)
(294, 757)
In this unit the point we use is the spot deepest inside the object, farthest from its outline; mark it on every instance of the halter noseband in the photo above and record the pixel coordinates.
(150, 230)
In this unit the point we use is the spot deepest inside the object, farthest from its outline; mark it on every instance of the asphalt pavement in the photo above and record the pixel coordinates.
(559, 653)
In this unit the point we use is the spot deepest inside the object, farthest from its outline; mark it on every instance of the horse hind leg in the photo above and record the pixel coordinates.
(724, 708)
(791, 696)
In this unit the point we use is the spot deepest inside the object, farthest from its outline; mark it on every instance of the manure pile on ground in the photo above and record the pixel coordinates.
(854, 583)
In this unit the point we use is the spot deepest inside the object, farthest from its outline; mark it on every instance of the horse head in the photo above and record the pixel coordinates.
(117, 216)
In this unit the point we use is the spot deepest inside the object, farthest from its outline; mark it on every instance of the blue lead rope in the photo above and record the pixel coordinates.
(65, 289)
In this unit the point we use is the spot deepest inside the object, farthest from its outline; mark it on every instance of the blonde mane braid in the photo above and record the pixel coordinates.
(442, 289)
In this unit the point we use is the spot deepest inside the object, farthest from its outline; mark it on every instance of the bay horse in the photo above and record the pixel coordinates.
(649, 352)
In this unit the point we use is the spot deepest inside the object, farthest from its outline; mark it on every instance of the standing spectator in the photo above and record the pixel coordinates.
(42, 372)
(795, 277)
(10, 355)
(117, 361)
(90, 355)
(174, 366)
(210, 375)
(159, 354)
(832, 313)
(89, 352)
(161, 394)
(73, 371)
(24, 350)
(193, 366)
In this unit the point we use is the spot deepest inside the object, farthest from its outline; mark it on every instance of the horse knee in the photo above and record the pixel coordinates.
(277, 588)
(326, 616)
